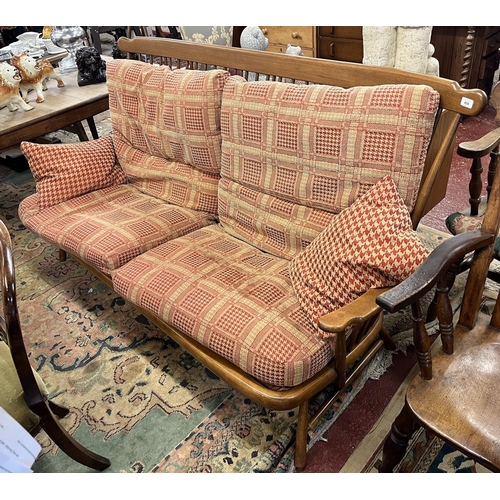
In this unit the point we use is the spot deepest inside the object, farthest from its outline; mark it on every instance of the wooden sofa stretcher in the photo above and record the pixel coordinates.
(363, 315)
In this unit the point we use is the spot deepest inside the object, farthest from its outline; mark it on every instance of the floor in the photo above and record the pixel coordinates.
(357, 420)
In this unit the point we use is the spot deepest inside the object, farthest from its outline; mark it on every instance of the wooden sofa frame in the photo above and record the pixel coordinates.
(363, 315)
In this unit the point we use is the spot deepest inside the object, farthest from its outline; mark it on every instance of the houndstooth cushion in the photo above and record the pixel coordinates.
(64, 171)
(371, 244)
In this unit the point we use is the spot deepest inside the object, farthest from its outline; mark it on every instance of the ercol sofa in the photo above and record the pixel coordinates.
(255, 222)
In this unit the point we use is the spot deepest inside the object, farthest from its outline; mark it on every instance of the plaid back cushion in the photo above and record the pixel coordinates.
(65, 171)
(371, 244)
(294, 155)
(166, 127)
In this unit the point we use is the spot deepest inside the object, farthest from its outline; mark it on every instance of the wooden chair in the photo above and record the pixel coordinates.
(95, 33)
(24, 395)
(456, 396)
(471, 218)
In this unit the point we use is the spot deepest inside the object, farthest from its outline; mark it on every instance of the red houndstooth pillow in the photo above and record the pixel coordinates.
(371, 244)
(65, 171)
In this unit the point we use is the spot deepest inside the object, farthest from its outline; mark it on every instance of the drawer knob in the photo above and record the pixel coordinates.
(264, 31)
(295, 34)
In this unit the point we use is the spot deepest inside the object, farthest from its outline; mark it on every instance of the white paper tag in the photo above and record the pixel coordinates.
(467, 103)
(16, 445)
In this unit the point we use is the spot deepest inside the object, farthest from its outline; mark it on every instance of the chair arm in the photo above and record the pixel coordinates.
(480, 147)
(356, 312)
(440, 259)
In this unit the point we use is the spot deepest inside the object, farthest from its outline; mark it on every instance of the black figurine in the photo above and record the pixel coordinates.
(91, 67)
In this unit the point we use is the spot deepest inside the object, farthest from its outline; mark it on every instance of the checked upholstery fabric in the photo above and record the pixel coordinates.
(294, 155)
(110, 226)
(166, 130)
(154, 111)
(63, 171)
(232, 298)
(292, 158)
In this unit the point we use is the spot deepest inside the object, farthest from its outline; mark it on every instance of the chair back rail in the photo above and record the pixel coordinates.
(455, 101)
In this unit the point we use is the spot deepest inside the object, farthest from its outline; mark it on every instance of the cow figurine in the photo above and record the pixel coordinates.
(9, 88)
(34, 75)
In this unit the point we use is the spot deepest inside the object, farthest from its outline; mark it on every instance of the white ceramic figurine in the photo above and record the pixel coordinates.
(9, 88)
(34, 75)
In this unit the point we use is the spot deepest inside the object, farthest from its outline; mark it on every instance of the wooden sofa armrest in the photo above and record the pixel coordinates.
(438, 262)
(356, 312)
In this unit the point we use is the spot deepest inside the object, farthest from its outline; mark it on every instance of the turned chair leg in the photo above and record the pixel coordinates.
(396, 443)
(65, 441)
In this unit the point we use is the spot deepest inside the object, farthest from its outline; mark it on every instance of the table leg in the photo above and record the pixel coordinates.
(80, 131)
(93, 128)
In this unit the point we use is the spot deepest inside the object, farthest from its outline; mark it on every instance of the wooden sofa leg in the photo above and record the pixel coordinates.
(301, 436)
(62, 255)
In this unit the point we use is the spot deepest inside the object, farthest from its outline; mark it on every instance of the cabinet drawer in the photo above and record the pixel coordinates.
(341, 50)
(293, 35)
(342, 31)
(282, 49)
(491, 45)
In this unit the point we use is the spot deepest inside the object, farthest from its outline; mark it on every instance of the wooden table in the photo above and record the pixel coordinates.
(63, 107)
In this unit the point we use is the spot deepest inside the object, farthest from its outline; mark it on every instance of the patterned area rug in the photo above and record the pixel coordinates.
(429, 454)
(134, 395)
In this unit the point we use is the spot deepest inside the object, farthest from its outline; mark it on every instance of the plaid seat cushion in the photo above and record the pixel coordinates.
(107, 228)
(291, 151)
(166, 129)
(233, 299)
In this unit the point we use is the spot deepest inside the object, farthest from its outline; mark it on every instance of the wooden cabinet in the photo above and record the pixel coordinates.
(280, 36)
(341, 43)
(468, 54)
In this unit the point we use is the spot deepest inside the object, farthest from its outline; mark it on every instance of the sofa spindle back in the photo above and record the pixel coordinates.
(455, 102)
